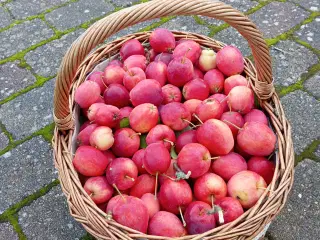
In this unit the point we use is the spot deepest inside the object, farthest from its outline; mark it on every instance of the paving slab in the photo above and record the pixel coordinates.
(231, 36)
(29, 112)
(303, 112)
(4, 141)
(310, 33)
(277, 18)
(13, 79)
(5, 17)
(241, 5)
(290, 61)
(24, 170)
(186, 24)
(300, 217)
(313, 5)
(76, 13)
(22, 36)
(7, 232)
(45, 60)
(48, 218)
(25, 8)
(317, 152)
(124, 3)
(313, 85)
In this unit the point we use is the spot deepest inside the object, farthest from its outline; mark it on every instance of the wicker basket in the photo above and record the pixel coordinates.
(78, 62)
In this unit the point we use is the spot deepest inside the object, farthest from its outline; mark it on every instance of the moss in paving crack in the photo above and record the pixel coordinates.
(47, 132)
(27, 201)
(307, 45)
(87, 237)
(308, 153)
(13, 219)
(6, 132)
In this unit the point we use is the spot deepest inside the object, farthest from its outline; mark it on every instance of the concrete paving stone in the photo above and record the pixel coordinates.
(277, 18)
(303, 112)
(310, 33)
(48, 218)
(25, 8)
(5, 17)
(4, 141)
(317, 152)
(231, 36)
(135, 28)
(313, 5)
(300, 217)
(7, 232)
(77, 13)
(13, 78)
(241, 5)
(313, 85)
(124, 3)
(289, 61)
(24, 170)
(29, 112)
(45, 60)
(186, 24)
(23, 36)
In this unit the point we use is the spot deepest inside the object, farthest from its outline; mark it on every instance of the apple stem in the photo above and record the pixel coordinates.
(195, 115)
(165, 175)
(135, 134)
(182, 218)
(180, 174)
(193, 125)
(220, 214)
(166, 140)
(224, 99)
(232, 124)
(214, 158)
(132, 179)
(102, 79)
(270, 156)
(156, 186)
(185, 55)
(117, 189)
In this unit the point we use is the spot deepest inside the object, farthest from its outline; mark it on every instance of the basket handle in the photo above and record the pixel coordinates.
(111, 24)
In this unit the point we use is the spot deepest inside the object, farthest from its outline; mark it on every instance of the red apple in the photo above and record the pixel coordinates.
(109, 156)
(84, 125)
(231, 209)
(139, 61)
(195, 89)
(102, 138)
(247, 187)
(116, 95)
(161, 133)
(105, 115)
(241, 99)
(215, 80)
(263, 167)
(256, 139)
(175, 196)
(228, 165)
(175, 115)
(209, 109)
(234, 81)
(185, 138)
(256, 115)
(171, 172)
(122, 173)
(164, 57)
(138, 160)
(131, 47)
(162, 40)
(146, 91)
(209, 187)
(115, 62)
(113, 202)
(126, 142)
(144, 117)
(189, 48)
(145, 184)
(90, 161)
(87, 94)
(132, 76)
(151, 55)
(166, 224)
(195, 158)
(152, 204)
(124, 117)
(180, 71)
(98, 77)
(192, 105)
(198, 218)
(234, 120)
(98, 189)
(230, 61)
(85, 110)
(197, 73)
(83, 137)
(113, 74)
(158, 72)
(222, 99)
(171, 93)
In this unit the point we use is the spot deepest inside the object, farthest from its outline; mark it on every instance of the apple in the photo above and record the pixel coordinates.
(207, 60)
(175, 115)
(139, 61)
(98, 189)
(215, 80)
(161, 133)
(145, 184)
(132, 76)
(152, 203)
(189, 49)
(102, 138)
(209, 109)
(263, 167)
(231, 209)
(116, 95)
(113, 74)
(256, 115)
(195, 89)
(131, 47)
(162, 40)
(234, 81)
(137, 158)
(180, 71)
(144, 117)
(185, 138)
(126, 142)
(230, 61)
(164, 57)
(87, 94)
(146, 91)
(158, 72)
(171, 93)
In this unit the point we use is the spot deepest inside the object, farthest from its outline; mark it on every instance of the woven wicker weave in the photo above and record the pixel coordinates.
(77, 63)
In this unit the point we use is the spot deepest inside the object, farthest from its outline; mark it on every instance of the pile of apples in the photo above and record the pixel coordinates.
(173, 144)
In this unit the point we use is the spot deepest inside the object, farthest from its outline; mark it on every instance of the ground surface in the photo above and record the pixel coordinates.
(34, 35)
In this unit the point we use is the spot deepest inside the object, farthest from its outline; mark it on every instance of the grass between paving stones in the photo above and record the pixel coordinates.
(46, 132)
(11, 211)
(6, 132)
(308, 153)
(14, 220)
(87, 237)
